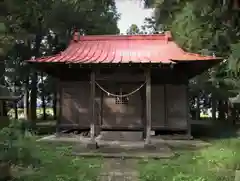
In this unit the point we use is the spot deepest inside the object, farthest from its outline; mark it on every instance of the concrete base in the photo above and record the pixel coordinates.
(124, 155)
(190, 137)
(121, 135)
(92, 145)
(149, 146)
(58, 134)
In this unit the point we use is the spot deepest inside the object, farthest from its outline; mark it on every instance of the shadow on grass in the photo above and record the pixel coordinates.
(205, 136)
(40, 127)
(217, 130)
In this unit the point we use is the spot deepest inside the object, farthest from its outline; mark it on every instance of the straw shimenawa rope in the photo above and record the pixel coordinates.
(122, 95)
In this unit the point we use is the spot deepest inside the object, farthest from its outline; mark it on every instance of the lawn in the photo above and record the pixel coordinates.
(53, 162)
(215, 163)
(38, 161)
(58, 164)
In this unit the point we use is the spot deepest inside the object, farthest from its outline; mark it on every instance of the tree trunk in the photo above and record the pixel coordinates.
(5, 169)
(34, 78)
(234, 115)
(15, 102)
(33, 98)
(26, 97)
(2, 82)
(198, 117)
(214, 108)
(43, 98)
(227, 111)
(15, 110)
(55, 105)
(221, 115)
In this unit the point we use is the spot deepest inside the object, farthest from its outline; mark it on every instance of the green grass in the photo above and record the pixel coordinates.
(57, 164)
(215, 163)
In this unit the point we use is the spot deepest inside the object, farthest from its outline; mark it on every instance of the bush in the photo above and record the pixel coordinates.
(17, 147)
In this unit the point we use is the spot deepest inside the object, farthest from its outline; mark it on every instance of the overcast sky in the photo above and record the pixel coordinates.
(132, 12)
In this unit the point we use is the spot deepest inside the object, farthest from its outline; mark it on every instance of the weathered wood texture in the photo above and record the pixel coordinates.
(59, 105)
(167, 111)
(92, 115)
(176, 106)
(148, 106)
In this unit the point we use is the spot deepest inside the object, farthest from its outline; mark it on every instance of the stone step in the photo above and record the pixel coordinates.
(121, 135)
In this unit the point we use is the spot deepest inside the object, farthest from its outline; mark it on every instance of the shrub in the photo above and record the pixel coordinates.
(17, 147)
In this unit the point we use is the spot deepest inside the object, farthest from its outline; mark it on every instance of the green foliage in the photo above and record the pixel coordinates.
(58, 164)
(43, 28)
(90, 17)
(199, 25)
(234, 59)
(205, 27)
(150, 26)
(133, 30)
(16, 147)
(32, 160)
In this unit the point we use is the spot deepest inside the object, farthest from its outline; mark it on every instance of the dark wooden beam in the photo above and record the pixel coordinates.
(148, 106)
(121, 78)
(189, 125)
(92, 105)
(119, 128)
(143, 115)
(1, 108)
(165, 105)
(58, 106)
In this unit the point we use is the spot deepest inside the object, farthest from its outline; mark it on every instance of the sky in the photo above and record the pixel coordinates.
(132, 12)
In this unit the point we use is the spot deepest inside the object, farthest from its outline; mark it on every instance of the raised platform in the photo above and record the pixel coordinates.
(120, 136)
(125, 149)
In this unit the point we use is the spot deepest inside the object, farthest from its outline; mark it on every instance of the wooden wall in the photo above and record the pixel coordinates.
(169, 106)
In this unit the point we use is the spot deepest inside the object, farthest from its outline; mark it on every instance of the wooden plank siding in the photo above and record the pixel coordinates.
(75, 107)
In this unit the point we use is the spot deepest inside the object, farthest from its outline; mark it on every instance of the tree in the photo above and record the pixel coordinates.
(45, 28)
(205, 27)
(133, 30)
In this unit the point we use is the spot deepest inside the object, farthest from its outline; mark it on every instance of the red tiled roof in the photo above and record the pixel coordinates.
(157, 48)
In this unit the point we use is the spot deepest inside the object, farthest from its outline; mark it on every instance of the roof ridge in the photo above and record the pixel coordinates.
(163, 36)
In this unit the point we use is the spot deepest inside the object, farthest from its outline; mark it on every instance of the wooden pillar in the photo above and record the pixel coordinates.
(148, 107)
(1, 108)
(58, 106)
(143, 115)
(189, 125)
(92, 144)
(92, 107)
(165, 105)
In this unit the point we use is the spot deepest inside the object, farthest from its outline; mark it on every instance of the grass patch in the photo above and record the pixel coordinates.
(215, 163)
(56, 163)
(24, 159)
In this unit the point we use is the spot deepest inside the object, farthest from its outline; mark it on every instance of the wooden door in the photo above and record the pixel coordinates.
(122, 113)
